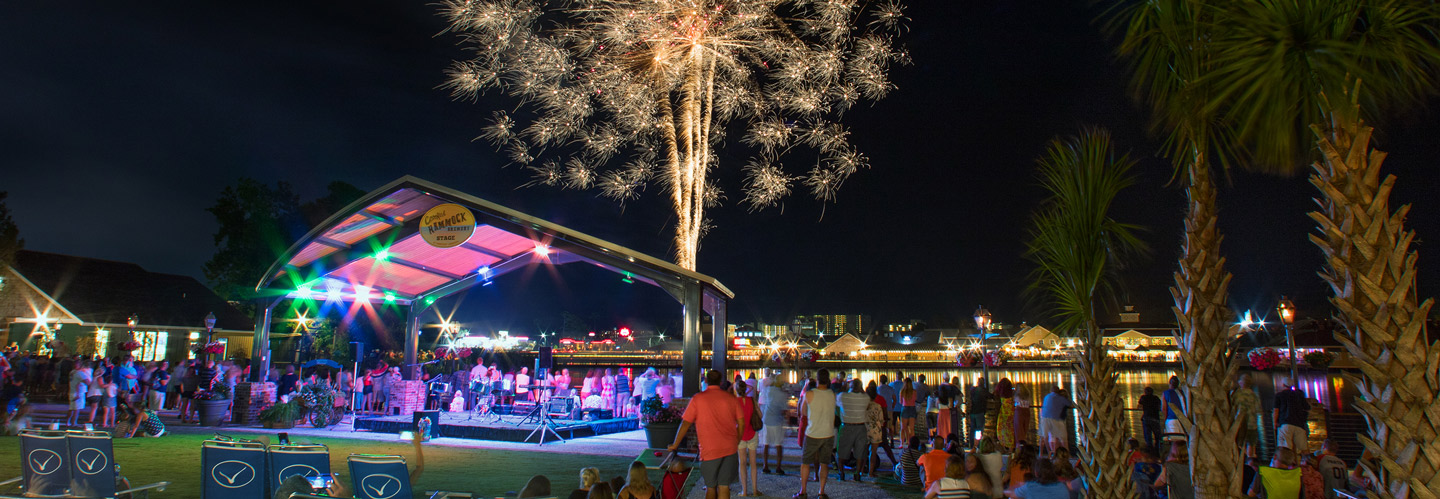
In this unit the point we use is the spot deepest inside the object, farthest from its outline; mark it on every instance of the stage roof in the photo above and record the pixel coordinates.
(373, 250)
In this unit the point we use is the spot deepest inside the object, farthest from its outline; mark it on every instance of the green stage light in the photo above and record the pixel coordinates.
(383, 255)
(389, 297)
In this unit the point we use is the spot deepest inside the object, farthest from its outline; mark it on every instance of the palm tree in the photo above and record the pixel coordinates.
(1076, 247)
(1166, 42)
(1283, 72)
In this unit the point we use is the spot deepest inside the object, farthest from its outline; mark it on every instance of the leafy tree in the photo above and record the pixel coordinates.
(10, 241)
(1077, 248)
(258, 222)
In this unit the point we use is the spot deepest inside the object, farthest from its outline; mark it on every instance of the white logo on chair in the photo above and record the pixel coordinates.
(44, 461)
(380, 486)
(304, 470)
(91, 460)
(232, 474)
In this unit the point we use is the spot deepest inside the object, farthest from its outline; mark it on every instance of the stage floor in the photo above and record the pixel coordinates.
(507, 428)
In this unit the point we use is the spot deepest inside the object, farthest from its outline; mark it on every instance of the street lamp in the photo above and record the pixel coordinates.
(209, 331)
(982, 322)
(1287, 316)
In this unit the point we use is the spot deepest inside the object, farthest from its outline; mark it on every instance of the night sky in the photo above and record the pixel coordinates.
(120, 122)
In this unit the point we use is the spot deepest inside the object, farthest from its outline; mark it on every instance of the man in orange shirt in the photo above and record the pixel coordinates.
(715, 414)
(933, 462)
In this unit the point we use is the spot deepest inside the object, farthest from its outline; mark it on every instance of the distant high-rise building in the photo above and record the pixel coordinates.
(833, 324)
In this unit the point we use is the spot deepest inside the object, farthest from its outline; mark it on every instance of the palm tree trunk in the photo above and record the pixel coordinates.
(1371, 269)
(1102, 421)
(1200, 293)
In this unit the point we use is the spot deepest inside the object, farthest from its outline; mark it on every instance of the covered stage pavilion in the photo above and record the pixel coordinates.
(413, 242)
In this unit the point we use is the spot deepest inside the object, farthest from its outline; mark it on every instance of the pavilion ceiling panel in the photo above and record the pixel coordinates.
(310, 253)
(355, 229)
(458, 260)
(500, 241)
(381, 276)
(407, 209)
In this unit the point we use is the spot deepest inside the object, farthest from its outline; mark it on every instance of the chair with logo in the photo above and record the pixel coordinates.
(232, 469)
(93, 472)
(308, 460)
(44, 463)
(72, 464)
(382, 477)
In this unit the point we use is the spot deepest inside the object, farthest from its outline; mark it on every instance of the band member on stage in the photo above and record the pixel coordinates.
(563, 380)
(522, 384)
(587, 386)
(607, 390)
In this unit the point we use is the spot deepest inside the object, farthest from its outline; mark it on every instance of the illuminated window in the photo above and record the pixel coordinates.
(194, 338)
(152, 345)
(102, 341)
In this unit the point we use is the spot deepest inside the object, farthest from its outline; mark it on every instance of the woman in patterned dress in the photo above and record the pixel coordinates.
(1005, 395)
(607, 390)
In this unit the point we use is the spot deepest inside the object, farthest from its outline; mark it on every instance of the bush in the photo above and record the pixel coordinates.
(654, 411)
(281, 412)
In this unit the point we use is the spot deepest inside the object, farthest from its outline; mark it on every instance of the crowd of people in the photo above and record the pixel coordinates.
(108, 392)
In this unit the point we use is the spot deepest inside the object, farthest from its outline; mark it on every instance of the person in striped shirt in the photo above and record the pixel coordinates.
(953, 485)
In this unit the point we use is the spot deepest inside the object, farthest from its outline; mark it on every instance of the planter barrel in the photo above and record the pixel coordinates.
(212, 411)
(661, 435)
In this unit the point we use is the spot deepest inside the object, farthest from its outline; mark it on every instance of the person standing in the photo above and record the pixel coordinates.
(159, 381)
(522, 384)
(1052, 420)
(876, 419)
(895, 386)
(1172, 404)
(127, 377)
(854, 436)
(749, 438)
(1292, 414)
(1150, 418)
(715, 415)
(907, 410)
(1023, 413)
(819, 410)
(80, 380)
(607, 392)
(1004, 427)
(287, 383)
(922, 401)
(978, 404)
(774, 400)
(1247, 408)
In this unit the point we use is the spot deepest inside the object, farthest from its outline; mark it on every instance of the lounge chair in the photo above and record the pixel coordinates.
(72, 464)
(308, 460)
(232, 469)
(382, 477)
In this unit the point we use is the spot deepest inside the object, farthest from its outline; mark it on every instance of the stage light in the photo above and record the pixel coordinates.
(628, 279)
(362, 293)
(542, 250)
(484, 271)
(389, 297)
(383, 255)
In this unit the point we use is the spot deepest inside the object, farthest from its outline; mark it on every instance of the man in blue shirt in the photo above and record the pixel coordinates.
(895, 387)
(1052, 420)
(127, 378)
(1171, 404)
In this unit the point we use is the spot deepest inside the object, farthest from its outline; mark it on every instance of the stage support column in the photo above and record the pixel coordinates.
(719, 331)
(412, 340)
(260, 342)
(690, 359)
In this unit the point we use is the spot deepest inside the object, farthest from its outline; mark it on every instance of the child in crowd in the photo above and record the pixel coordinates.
(1144, 472)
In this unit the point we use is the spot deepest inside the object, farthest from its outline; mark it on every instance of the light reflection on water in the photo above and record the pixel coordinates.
(1326, 387)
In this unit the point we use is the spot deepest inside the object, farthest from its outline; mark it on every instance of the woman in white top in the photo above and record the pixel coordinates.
(587, 386)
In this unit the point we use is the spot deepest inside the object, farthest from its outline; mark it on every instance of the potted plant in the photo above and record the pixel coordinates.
(213, 403)
(282, 415)
(1319, 359)
(661, 423)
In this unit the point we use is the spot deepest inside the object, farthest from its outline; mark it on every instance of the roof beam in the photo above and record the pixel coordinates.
(332, 243)
(409, 264)
(387, 220)
(475, 247)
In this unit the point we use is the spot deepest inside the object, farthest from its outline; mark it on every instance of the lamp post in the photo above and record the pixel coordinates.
(209, 333)
(1287, 316)
(982, 322)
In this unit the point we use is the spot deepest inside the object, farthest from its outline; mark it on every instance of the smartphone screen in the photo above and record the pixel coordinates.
(978, 435)
(321, 482)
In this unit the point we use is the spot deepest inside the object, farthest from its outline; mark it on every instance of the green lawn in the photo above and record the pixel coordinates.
(488, 473)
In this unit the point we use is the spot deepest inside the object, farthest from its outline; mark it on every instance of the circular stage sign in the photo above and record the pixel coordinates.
(447, 226)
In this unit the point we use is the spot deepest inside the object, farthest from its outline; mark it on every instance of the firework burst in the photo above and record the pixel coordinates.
(660, 80)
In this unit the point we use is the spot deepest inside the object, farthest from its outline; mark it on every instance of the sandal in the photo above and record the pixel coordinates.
(799, 495)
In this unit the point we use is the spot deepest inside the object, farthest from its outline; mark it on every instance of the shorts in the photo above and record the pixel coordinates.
(818, 450)
(1054, 428)
(1294, 437)
(854, 440)
(368, 389)
(773, 435)
(752, 444)
(188, 394)
(720, 472)
(110, 402)
(77, 404)
(93, 400)
(1173, 427)
(908, 412)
